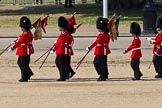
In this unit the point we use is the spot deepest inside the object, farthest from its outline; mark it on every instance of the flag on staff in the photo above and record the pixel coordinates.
(112, 28)
(71, 20)
(38, 31)
(44, 23)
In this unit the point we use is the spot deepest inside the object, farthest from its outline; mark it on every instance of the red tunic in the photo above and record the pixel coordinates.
(61, 46)
(24, 45)
(157, 44)
(135, 47)
(101, 44)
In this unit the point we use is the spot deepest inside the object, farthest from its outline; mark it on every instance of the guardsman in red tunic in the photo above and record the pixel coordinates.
(157, 49)
(61, 48)
(101, 45)
(135, 30)
(24, 49)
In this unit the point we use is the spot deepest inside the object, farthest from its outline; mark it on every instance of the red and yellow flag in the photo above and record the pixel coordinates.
(112, 28)
(38, 31)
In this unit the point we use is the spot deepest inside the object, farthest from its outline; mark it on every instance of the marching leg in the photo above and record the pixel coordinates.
(22, 62)
(103, 68)
(60, 63)
(159, 66)
(135, 66)
(100, 64)
(96, 63)
(155, 63)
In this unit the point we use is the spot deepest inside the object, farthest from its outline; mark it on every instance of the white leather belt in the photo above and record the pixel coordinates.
(136, 48)
(26, 44)
(98, 44)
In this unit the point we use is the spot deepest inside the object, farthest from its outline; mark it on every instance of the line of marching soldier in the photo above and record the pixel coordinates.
(63, 49)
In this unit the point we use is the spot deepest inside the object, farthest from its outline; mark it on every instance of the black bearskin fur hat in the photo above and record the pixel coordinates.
(62, 22)
(135, 29)
(25, 23)
(101, 23)
(159, 22)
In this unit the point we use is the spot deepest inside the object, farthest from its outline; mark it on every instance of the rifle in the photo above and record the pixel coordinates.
(79, 63)
(7, 48)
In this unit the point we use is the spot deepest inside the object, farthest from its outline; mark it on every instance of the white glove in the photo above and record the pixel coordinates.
(88, 48)
(125, 51)
(148, 39)
(10, 49)
(52, 52)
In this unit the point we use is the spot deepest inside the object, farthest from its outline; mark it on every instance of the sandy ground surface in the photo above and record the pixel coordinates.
(82, 91)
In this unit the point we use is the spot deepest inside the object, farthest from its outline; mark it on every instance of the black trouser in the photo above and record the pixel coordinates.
(68, 2)
(69, 68)
(61, 65)
(135, 62)
(100, 64)
(23, 63)
(157, 61)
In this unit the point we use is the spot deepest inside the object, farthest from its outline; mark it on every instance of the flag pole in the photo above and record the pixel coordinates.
(5, 49)
(43, 55)
(78, 64)
(44, 60)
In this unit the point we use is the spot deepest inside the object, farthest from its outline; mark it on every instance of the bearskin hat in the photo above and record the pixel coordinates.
(135, 29)
(62, 22)
(101, 23)
(159, 22)
(25, 22)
